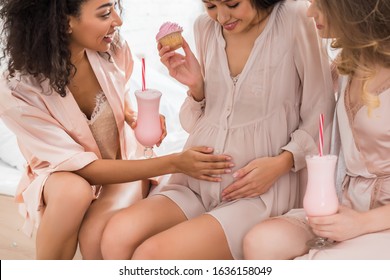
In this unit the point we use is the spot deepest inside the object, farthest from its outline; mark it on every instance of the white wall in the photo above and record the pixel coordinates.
(143, 18)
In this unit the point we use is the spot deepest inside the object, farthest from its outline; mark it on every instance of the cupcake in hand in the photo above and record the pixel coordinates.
(170, 35)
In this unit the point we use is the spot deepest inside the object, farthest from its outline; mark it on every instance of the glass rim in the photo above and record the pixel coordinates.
(314, 156)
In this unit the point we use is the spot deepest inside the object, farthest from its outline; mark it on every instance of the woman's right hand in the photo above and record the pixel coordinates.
(184, 68)
(201, 163)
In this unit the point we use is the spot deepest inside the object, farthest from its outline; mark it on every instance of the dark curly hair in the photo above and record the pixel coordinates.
(35, 38)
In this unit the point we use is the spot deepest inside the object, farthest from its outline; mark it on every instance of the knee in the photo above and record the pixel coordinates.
(264, 241)
(255, 243)
(118, 241)
(148, 250)
(70, 187)
(90, 236)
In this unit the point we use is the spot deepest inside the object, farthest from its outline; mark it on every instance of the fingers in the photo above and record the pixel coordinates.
(163, 129)
(165, 54)
(232, 190)
(242, 172)
(171, 59)
(203, 149)
(164, 50)
(215, 167)
(159, 46)
(204, 165)
(207, 156)
(320, 221)
(240, 190)
(131, 119)
(186, 48)
(321, 226)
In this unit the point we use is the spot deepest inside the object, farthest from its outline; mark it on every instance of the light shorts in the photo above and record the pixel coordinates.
(235, 217)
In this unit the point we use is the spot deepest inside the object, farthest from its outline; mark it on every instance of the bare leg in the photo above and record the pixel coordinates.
(112, 199)
(276, 239)
(128, 228)
(67, 197)
(199, 238)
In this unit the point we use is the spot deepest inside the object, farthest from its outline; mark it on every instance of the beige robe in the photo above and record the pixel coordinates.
(273, 106)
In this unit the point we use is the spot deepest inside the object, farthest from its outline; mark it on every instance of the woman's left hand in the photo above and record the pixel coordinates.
(343, 225)
(254, 179)
(163, 129)
(258, 176)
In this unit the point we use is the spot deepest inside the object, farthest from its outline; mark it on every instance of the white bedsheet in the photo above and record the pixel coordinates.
(9, 178)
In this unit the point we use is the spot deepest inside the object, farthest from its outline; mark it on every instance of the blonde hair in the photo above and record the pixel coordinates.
(362, 31)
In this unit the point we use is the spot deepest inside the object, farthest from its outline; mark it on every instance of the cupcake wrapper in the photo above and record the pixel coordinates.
(174, 40)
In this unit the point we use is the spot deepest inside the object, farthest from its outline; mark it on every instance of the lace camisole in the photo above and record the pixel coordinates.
(104, 129)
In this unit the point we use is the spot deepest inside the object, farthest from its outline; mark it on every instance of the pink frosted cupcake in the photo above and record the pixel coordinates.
(170, 35)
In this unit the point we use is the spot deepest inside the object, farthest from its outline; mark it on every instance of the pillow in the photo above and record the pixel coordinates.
(9, 149)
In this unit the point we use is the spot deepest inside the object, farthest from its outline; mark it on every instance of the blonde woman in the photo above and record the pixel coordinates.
(361, 228)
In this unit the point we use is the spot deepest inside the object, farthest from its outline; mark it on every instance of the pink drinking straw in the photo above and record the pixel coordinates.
(321, 135)
(143, 75)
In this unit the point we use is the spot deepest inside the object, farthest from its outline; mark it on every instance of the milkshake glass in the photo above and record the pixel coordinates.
(320, 197)
(148, 130)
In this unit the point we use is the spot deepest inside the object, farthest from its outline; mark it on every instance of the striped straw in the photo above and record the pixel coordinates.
(143, 75)
(321, 135)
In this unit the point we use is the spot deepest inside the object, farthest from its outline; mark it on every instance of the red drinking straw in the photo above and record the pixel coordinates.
(321, 135)
(143, 75)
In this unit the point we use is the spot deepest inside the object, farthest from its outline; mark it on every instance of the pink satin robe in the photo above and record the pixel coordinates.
(52, 132)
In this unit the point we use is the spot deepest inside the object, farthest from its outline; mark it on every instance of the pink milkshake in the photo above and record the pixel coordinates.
(148, 130)
(321, 197)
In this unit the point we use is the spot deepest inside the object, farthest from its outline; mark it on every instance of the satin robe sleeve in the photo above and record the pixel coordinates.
(312, 65)
(192, 110)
